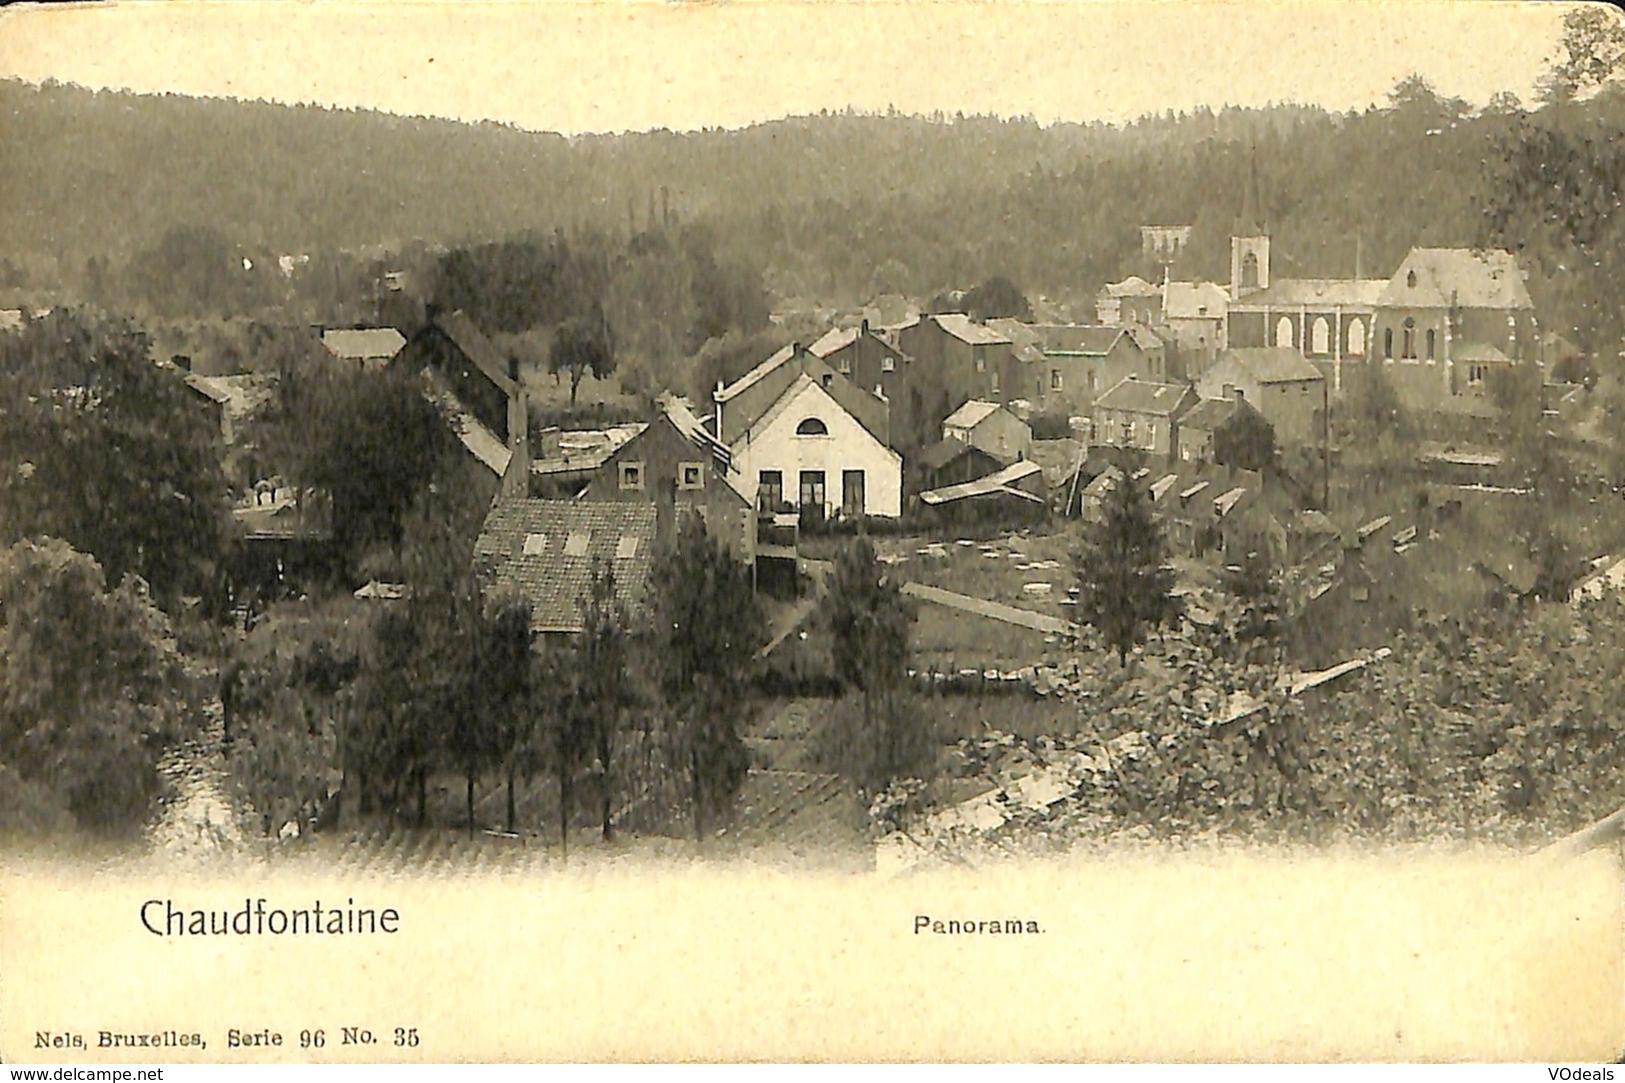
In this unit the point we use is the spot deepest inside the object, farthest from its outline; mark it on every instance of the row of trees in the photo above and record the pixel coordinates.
(634, 724)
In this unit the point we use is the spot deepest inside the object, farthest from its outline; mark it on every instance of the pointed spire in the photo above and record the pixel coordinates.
(1251, 223)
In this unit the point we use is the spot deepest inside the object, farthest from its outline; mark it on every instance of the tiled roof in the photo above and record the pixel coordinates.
(1470, 278)
(1479, 353)
(361, 343)
(481, 350)
(1271, 364)
(546, 549)
(1316, 293)
(1194, 300)
(968, 330)
(1144, 397)
(971, 414)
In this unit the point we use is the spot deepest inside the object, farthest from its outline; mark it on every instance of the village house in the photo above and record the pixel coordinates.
(866, 359)
(1012, 495)
(1140, 414)
(565, 461)
(739, 405)
(990, 427)
(1065, 367)
(546, 550)
(1131, 301)
(1194, 322)
(1226, 432)
(809, 453)
(1278, 383)
(959, 357)
(673, 462)
(369, 347)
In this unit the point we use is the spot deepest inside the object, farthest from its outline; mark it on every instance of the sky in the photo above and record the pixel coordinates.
(577, 67)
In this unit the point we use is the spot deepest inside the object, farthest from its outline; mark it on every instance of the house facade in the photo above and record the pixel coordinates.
(676, 466)
(1072, 364)
(958, 357)
(808, 453)
(1278, 383)
(1142, 415)
(991, 428)
(867, 359)
(1213, 429)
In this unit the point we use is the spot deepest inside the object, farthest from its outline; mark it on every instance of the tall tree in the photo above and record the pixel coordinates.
(869, 622)
(1593, 53)
(582, 346)
(1124, 580)
(605, 682)
(110, 452)
(91, 690)
(367, 438)
(707, 630)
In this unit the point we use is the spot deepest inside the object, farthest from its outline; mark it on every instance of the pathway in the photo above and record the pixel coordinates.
(1026, 618)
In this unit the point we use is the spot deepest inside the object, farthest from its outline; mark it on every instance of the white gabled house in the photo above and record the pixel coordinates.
(808, 453)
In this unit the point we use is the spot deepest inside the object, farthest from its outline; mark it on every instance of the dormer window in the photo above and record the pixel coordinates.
(812, 426)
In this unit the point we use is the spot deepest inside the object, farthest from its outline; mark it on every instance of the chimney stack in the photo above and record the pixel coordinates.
(516, 480)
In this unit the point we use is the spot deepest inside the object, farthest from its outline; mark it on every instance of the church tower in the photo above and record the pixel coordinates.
(1250, 242)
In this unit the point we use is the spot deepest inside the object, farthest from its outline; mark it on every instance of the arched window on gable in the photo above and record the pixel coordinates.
(1387, 343)
(1356, 338)
(1320, 337)
(1409, 352)
(1283, 331)
(812, 426)
(1410, 280)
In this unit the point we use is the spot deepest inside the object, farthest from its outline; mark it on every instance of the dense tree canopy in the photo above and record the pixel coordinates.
(112, 453)
(91, 693)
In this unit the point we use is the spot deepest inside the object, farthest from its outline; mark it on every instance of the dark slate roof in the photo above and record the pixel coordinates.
(546, 549)
(1469, 277)
(1315, 293)
(1087, 340)
(1144, 397)
(1271, 364)
(1209, 414)
(481, 350)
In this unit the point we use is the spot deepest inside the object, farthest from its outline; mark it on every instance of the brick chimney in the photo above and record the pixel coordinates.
(516, 481)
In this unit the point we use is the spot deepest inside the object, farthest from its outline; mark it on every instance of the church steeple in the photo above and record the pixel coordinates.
(1251, 223)
(1250, 243)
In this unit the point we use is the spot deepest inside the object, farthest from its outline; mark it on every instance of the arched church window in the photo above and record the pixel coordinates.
(1356, 337)
(1283, 331)
(1410, 280)
(1432, 344)
(1249, 271)
(1387, 343)
(1320, 337)
(1409, 351)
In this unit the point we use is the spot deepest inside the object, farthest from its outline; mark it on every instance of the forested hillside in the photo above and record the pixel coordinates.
(833, 207)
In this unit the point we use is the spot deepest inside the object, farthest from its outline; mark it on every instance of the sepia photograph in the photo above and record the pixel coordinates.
(775, 531)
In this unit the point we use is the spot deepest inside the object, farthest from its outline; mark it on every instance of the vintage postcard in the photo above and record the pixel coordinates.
(768, 531)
